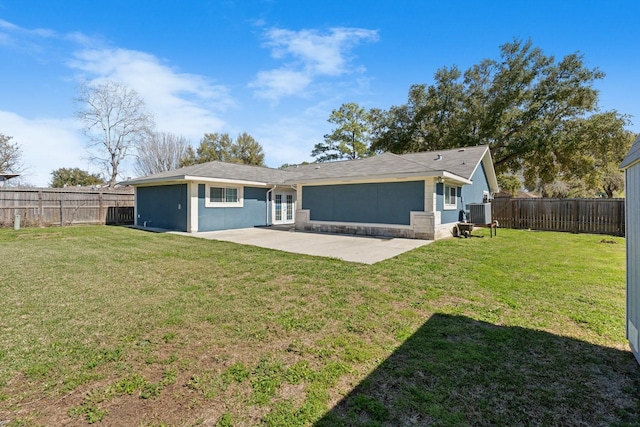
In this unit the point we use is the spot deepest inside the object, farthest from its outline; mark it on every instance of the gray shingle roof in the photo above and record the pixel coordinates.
(460, 162)
(216, 169)
(633, 156)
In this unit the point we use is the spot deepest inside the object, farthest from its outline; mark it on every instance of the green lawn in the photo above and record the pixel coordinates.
(134, 328)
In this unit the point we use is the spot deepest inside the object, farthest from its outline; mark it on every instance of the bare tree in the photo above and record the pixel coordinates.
(10, 155)
(160, 152)
(114, 119)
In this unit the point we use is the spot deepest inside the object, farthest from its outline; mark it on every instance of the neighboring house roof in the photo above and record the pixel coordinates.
(457, 165)
(7, 176)
(633, 156)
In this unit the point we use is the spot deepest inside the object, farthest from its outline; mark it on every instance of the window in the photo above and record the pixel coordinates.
(450, 197)
(224, 197)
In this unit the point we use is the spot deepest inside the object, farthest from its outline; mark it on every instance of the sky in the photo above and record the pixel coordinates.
(274, 69)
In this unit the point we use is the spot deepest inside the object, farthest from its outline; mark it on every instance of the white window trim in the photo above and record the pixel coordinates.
(445, 193)
(209, 204)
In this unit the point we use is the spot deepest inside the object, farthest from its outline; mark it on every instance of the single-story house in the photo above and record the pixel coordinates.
(416, 195)
(631, 167)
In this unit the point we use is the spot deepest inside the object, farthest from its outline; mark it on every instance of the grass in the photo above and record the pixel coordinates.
(113, 325)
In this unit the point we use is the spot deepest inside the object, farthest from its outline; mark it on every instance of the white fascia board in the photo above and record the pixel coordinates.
(489, 170)
(186, 178)
(144, 181)
(227, 181)
(163, 181)
(487, 160)
(456, 178)
(381, 178)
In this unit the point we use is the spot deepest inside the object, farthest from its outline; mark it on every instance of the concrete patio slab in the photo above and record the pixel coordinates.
(366, 250)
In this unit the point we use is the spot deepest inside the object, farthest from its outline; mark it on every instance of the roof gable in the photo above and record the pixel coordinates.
(633, 156)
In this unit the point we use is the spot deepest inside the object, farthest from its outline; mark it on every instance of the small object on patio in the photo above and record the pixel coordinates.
(463, 229)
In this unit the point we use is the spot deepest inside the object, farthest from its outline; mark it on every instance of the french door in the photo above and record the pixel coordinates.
(283, 207)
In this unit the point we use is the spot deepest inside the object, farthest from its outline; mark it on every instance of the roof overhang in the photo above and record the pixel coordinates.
(443, 175)
(181, 179)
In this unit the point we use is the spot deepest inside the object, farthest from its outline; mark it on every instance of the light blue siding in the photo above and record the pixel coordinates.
(253, 213)
(375, 203)
(163, 206)
(449, 215)
(472, 193)
(632, 229)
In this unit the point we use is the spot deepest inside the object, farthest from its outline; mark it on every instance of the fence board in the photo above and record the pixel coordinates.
(53, 206)
(598, 216)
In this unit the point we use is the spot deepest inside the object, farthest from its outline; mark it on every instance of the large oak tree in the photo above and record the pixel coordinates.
(530, 108)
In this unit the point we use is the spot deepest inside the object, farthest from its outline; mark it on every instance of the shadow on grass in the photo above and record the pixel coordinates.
(458, 371)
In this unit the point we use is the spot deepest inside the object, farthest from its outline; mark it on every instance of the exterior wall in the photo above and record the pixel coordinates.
(253, 213)
(163, 206)
(447, 215)
(632, 191)
(472, 193)
(371, 203)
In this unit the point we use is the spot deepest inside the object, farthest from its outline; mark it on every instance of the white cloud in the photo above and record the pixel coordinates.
(181, 103)
(310, 55)
(39, 42)
(273, 84)
(47, 144)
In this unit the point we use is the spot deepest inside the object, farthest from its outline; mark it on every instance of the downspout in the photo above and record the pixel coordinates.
(266, 218)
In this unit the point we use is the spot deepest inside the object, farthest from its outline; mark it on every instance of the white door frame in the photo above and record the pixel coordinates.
(287, 214)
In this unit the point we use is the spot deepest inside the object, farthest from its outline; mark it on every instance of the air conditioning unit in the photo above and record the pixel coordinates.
(479, 213)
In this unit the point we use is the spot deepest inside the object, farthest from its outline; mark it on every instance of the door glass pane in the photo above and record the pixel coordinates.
(278, 207)
(289, 207)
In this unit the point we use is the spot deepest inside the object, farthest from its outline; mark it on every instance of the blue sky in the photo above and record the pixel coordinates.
(274, 69)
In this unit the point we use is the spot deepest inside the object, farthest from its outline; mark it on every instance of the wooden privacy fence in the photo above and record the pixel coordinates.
(599, 216)
(62, 206)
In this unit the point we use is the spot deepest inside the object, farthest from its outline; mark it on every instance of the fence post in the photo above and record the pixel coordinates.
(621, 220)
(40, 209)
(101, 210)
(61, 210)
(576, 216)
